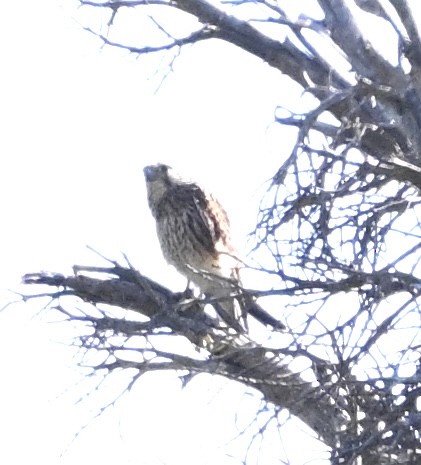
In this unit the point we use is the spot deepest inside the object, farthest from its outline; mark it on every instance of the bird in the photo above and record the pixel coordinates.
(194, 234)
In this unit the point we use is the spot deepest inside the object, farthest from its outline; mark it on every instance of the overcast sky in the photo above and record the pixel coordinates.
(79, 122)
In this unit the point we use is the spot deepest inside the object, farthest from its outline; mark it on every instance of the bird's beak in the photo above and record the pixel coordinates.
(151, 173)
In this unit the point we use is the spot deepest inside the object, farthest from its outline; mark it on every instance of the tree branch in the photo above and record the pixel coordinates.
(230, 356)
(197, 36)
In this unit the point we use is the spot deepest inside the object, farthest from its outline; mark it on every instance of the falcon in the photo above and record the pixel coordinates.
(194, 234)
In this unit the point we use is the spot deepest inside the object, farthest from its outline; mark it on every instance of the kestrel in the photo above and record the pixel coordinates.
(194, 234)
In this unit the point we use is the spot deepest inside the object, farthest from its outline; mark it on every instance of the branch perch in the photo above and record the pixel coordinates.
(257, 367)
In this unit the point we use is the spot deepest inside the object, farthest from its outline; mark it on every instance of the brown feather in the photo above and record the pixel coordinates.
(194, 233)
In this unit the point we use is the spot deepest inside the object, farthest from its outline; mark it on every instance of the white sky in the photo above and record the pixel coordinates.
(78, 125)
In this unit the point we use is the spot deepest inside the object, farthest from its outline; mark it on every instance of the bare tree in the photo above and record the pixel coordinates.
(338, 229)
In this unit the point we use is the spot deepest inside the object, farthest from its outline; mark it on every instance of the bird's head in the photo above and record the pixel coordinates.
(156, 173)
(160, 179)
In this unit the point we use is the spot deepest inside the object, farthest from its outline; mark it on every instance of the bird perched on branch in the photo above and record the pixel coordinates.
(194, 233)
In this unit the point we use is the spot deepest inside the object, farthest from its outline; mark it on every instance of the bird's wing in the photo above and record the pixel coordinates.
(209, 221)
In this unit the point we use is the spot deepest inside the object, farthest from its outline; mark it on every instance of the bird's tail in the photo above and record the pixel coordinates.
(232, 313)
(256, 311)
